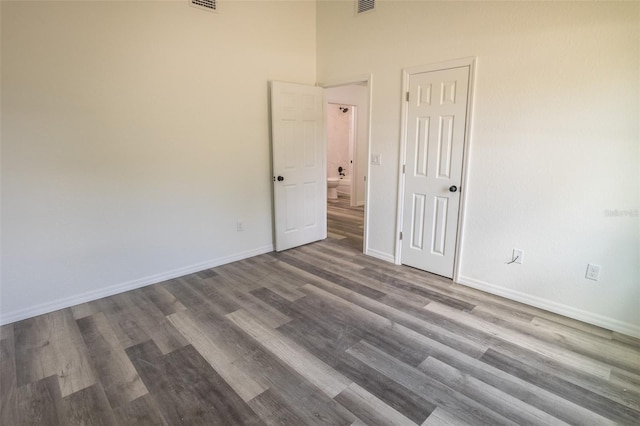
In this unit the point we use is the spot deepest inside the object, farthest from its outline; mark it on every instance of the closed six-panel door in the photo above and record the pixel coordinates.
(435, 136)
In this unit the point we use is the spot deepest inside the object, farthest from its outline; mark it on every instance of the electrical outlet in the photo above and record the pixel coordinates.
(517, 256)
(239, 226)
(593, 272)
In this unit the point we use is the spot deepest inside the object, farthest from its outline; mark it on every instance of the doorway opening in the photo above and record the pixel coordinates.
(347, 106)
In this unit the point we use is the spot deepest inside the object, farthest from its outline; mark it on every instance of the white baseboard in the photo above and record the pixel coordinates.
(32, 311)
(380, 255)
(558, 308)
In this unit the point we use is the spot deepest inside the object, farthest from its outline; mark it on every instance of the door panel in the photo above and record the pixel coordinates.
(436, 120)
(298, 156)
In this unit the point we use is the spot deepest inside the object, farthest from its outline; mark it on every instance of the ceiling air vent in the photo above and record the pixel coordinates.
(210, 5)
(365, 5)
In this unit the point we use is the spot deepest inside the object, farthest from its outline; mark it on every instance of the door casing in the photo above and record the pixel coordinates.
(471, 62)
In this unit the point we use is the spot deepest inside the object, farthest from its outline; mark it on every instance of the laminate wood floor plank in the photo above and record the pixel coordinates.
(430, 389)
(575, 341)
(188, 389)
(298, 358)
(249, 369)
(628, 382)
(575, 328)
(340, 263)
(350, 278)
(441, 417)
(244, 279)
(369, 409)
(284, 288)
(594, 367)
(163, 299)
(304, 402)
(52, 344)
(570, 373)
(352, 273)
(629, 340)
(596, 403)
(123, 320)
(208, 339)
(8, 382)
(137, 320)
(493, 398)
(119, 378)
(274, 410)
(320, 334)
(393, 394)
(345, 221)
(39, 403)
(330, 276)
(270, 316)
(6, 331)
(515, 386)
(346, 326)
(474, 346)
(143, 411)
(155, 323)
(184, 292)
(424, 292)
(328, 338)
(88, 406)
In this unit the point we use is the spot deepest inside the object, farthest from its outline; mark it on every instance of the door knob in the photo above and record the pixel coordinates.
(280, 178)
(453, 188)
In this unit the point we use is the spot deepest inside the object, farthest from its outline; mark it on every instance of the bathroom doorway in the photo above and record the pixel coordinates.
(347, 161)
(341, 139)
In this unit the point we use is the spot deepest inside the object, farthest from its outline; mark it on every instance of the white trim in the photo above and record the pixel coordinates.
(439, 66)
(555, 307)
(66, 302)
(466, 162)
(406, 74)
(380, 255)
(362, 78)
(401, 162)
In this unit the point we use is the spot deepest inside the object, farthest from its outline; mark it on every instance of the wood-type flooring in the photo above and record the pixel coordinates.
(317, 335)
(344, 222)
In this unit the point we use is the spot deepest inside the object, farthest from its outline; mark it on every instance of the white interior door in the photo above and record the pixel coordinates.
(299, 164)
(435, 136)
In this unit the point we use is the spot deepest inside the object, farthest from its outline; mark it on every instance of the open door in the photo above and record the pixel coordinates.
(299, 164)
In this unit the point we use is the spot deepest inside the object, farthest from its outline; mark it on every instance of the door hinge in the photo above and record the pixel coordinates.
(407, 97)
(404, 168)
(401, 235)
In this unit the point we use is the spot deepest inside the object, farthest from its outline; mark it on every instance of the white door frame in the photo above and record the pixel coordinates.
(368, 78)
(471, 62)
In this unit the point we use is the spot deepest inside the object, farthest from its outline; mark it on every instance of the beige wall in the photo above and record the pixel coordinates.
(554, 139)
(134, 135)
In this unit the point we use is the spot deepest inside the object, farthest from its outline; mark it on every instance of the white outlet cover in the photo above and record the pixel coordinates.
(375, 159)
(593, 272)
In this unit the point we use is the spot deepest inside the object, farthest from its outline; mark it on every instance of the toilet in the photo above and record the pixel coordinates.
(332, 187)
